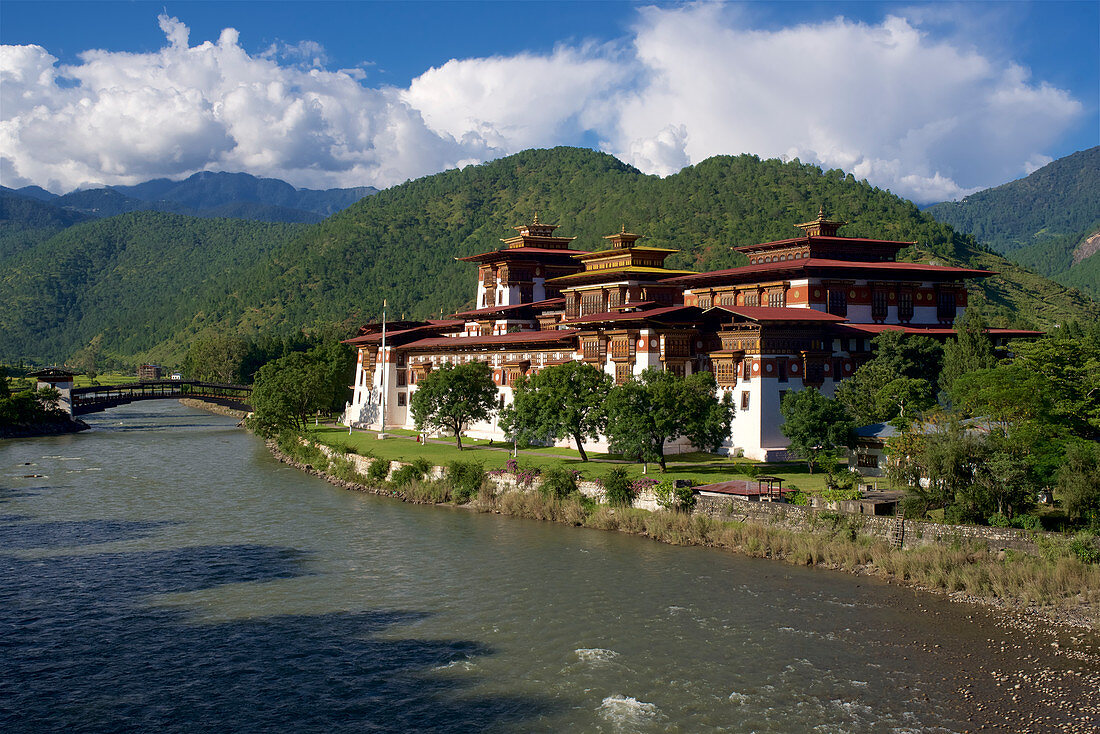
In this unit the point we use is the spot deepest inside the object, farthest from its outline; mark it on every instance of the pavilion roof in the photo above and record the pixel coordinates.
(516, 337)
(544, 305)
(806, 266)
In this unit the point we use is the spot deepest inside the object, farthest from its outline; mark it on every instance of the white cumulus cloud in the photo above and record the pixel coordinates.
(909, 110)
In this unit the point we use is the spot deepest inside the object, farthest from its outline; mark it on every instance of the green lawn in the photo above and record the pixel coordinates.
(700, 467)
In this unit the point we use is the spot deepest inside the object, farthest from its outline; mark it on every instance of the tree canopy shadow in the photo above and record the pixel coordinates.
(82, 651)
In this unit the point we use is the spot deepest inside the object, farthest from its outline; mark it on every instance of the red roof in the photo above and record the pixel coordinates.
(563, 251)
(819, 264)
(518, 337)
(433, 325)
(829, 240)
(932, 330)
(620, 316)
(537, 305)
(777, 313)
(742, 487)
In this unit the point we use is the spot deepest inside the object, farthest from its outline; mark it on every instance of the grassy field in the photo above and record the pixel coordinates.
(18, 384)
(699, 467)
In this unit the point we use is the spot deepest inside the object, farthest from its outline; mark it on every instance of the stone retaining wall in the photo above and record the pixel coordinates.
(790, 517)
(913, 533)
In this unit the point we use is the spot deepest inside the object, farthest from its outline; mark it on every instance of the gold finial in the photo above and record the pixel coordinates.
(821, 212)
(623, 230)
(536, 217)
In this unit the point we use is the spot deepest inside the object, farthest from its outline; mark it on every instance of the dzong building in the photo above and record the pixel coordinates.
(801, 313)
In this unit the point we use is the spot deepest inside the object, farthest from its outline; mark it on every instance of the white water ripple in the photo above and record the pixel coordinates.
(627, 713)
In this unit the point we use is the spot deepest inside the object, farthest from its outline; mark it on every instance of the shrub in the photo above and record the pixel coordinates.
(466, 478)
(618, 489)
(998, 520)
(1084, 547)
(558, 483)
(1027, 522)
(414, 472)
(673, 495)
(378, 470)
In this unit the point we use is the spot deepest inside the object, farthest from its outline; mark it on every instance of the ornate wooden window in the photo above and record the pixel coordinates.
(677, 346)
(571, 310)
(752, 299)
(622, 372)
(777, 299)
(905, 306)
(880, 300)
(676, 368)
(815, 373)
(615, 298)
(526, 293)
(591, 303)
(401, 377)
(838, 302)
(705, 301)
(945, 305)
(726, 373)
(620, 347)
(745, 399)
(728, 299)
(591, 349)
(747, 370)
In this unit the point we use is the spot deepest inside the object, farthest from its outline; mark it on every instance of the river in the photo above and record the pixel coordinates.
(165, 573)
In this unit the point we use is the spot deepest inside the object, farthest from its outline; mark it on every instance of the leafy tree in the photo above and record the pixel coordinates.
(875, 394)
(657, 406)
(970, 351)
(288, 391)
(906, 355)
(216, 358)
(816, 425)
(5, 389)
(1007, 394)
(563, 401)
(1079, 482)
(452, 397)
(1069, 365)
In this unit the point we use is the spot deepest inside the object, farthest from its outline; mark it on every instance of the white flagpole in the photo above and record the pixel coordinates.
(382, 431)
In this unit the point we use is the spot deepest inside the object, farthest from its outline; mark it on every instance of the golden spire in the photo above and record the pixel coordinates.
(623, 230)
(536, 217)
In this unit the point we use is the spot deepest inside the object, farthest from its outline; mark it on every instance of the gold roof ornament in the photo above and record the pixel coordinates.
(821, 227)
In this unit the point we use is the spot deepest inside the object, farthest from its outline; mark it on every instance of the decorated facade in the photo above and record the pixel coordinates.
(801, 313)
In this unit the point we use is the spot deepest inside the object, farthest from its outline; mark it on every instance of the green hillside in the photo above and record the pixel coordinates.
(137, 279)
(25, 222)
(1039, 221)
(150, 282)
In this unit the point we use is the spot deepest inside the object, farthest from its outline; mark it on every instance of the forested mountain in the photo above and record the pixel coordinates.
(401, 243)
(1042, 221)
(24, 222)
(136, 279)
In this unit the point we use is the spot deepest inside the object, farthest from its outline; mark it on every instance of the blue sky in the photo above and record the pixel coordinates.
(931, 100)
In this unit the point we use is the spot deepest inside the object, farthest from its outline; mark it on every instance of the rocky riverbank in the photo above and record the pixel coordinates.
(46, 428)
(214, 408)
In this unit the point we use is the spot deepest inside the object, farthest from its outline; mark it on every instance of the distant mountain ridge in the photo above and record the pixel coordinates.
(1046, 221)
(209, 195)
